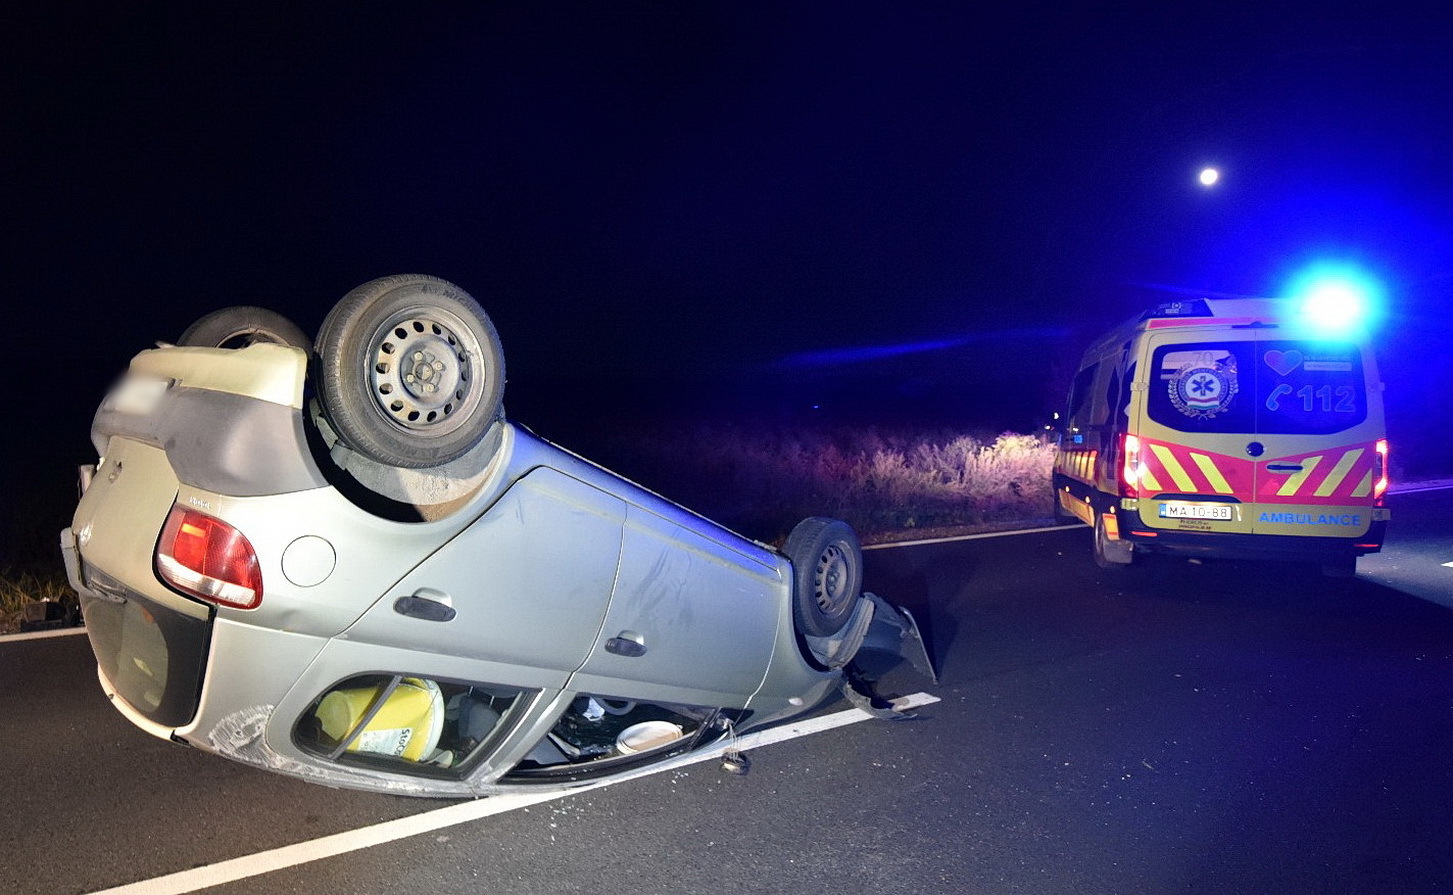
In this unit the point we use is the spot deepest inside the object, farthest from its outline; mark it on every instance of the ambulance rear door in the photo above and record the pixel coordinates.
(1251, 430)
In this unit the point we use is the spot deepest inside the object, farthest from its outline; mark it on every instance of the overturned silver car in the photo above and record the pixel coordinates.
(345, 564)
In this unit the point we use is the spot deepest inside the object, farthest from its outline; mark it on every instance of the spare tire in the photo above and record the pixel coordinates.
(411, 371)
(827, 574)
(242, 325)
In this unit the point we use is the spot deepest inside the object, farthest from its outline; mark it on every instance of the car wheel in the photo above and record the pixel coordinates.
(411, 371)
(243, 325)
(1110, 554)
(827, 574)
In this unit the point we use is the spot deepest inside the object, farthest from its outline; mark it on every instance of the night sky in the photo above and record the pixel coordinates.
(927, 207)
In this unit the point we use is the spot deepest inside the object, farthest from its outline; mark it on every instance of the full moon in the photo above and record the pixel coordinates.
(1209, 176)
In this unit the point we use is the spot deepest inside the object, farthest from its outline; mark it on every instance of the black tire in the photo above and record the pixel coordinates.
(827, 574)
(411, 371)
(1108, 554)
(243, 325)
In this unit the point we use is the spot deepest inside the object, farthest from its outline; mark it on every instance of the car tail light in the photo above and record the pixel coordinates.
(1379, 472)
(207, 558)
(1130, 469)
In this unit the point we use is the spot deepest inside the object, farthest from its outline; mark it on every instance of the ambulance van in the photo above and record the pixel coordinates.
(1230, 428)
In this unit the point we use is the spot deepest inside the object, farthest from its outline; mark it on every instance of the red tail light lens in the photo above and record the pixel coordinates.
(1130, 469)
(1379, 485)
(207, 558)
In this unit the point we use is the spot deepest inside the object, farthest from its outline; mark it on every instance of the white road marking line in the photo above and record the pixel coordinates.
(987, 534)
(462, 812)
(42, 635)
(1419, 488)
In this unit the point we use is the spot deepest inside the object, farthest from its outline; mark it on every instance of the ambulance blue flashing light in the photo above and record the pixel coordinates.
(1336, 300)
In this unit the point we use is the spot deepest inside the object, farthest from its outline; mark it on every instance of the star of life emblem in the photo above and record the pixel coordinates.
(1204, 387)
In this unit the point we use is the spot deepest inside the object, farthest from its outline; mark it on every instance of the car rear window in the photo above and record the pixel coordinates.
(1261, 387)
(152, 655)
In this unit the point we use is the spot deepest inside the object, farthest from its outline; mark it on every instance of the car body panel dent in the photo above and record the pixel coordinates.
(707, 618)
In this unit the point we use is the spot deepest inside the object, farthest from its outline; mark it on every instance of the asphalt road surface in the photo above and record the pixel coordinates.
(1219, 727)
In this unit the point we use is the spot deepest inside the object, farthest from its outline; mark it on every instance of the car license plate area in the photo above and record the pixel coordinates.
(137, 395)
(1185, 509)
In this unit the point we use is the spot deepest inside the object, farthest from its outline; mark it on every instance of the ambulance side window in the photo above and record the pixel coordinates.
(1112, 398)
(1122, 401)
(1077, 420)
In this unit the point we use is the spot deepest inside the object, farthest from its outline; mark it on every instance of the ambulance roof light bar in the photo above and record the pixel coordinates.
(1229, 311)
(1192, 307)
(1324, 304)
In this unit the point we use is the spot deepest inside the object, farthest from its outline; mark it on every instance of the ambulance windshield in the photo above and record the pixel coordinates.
(1263, 387)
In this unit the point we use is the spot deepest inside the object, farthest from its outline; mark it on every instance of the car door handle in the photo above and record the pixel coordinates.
(426, 605)
(628, 644)
(1283, 467)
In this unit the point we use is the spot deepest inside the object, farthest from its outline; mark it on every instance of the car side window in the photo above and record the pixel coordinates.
(412, 724)
(600, 733)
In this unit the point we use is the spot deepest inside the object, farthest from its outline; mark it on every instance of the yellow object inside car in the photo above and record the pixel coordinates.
(406, 726)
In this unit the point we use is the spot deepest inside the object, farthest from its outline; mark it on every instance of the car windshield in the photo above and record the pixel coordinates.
(1258, 387)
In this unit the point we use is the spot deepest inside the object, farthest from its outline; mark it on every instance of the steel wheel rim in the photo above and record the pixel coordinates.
(832, 581)
(422, 371)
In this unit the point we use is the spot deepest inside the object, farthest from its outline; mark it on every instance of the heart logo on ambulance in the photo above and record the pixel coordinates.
(1283, 362)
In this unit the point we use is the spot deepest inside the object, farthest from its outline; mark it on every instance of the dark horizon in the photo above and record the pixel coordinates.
(921, 212)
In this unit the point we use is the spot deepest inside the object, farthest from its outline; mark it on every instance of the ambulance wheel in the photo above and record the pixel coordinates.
(827, 574)
(243, 325)
(411, 371)
(1111, 554)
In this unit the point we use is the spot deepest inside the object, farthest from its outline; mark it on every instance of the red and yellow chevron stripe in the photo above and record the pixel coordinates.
(1166, 467)
(1337, 476)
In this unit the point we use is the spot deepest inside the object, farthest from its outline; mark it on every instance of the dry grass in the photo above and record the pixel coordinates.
(761, 480)
(21, 585)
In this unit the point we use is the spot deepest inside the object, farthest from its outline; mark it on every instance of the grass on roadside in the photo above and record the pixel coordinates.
(20, 585)
(761, 480)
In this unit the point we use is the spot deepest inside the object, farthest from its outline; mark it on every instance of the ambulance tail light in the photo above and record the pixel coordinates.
(207, 558)
(1130, 470)
(1379, 471)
